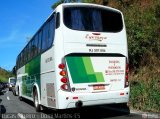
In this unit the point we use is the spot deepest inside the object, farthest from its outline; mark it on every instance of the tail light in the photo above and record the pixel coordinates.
(63, 73)
(64, 80)
(65, 87)
(61, 66)
(65, 84)
(126, 76)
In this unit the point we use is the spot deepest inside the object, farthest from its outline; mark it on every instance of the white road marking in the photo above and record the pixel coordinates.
(8, 98)
(21, 116)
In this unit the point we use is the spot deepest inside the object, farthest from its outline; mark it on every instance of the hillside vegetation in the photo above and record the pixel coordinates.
(4, 75)
(142, 18)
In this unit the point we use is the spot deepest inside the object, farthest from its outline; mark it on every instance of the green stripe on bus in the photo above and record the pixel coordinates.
(33, 70)
(77, 70)
(99, 77)
(81, 70)
(92, 78)
(88, 65)
(71, 64)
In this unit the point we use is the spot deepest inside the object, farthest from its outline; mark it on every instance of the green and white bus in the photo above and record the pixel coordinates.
(78, 57)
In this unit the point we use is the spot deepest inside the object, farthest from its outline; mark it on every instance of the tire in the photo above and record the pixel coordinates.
(14, 91)
(36, 104)
(124, 108)
(18, 92)
(20, 97)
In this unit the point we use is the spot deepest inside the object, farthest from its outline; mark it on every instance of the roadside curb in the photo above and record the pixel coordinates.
(146, 115)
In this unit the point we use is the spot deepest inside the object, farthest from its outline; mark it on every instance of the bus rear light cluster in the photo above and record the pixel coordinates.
(65, 87)
(64, 80)
(61, 66)
(126, 76)
(63, 73)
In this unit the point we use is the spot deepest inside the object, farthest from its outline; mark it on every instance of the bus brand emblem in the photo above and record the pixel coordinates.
(95, 37)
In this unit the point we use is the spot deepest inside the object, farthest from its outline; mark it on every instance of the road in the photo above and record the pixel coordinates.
(12, 108)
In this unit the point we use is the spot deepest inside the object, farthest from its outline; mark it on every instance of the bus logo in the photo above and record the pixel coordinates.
(95, 36)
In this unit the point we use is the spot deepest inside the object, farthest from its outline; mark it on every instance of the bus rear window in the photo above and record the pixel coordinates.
(92, 19)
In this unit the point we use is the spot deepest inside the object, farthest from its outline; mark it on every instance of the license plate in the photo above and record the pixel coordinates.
(99, 87)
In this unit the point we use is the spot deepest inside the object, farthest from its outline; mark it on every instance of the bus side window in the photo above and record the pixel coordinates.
(21, 59)
(39, 42)
(35, 46)
(45, 37)
(32, 49)
(57, 20)
(29, 51)
(24, 56)
(51, 32)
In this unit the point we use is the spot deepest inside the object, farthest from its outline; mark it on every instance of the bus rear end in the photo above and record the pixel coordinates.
(94, 69)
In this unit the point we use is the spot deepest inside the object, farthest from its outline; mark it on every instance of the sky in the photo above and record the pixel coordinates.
(19, 20)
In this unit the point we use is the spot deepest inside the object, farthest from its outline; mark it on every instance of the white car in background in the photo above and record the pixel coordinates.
(11, 83)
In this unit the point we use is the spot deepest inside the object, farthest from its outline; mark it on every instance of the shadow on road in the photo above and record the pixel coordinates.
(2, 108)
(28, 102)
(95, 112)
(2, 92)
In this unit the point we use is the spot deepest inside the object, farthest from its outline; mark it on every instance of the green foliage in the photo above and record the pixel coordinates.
(57, 3)
(145, 86)
(143, 39)
(4, 75)
(89, 1)
(83, 1)
(145, 95)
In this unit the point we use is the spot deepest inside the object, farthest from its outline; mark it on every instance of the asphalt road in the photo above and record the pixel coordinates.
(12, 108)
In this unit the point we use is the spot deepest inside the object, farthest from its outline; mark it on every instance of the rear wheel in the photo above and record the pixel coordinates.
(36, 102)
(20, 97)
(14, 93)
(18, 91)
(124, 108)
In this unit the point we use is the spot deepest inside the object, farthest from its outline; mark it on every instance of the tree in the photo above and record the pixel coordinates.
(57, 3)
(102, 2)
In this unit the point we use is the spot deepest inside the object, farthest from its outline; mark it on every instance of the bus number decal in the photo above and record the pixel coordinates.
(97, 50)
(49, 59)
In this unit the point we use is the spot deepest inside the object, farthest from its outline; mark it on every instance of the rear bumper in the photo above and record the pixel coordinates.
(65, 99)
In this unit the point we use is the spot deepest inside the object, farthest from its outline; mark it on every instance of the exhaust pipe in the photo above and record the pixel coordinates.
(79, 104)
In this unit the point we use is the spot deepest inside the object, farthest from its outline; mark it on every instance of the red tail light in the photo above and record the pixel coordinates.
(61, 66)
(64, 80)
(62, 73)
(126, 77)
(127, 68)
(64, 87)
(75, 98)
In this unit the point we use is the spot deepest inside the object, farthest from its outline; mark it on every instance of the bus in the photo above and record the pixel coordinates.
(78, 57)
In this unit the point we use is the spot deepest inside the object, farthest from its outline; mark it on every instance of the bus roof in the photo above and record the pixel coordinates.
(89, 4)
